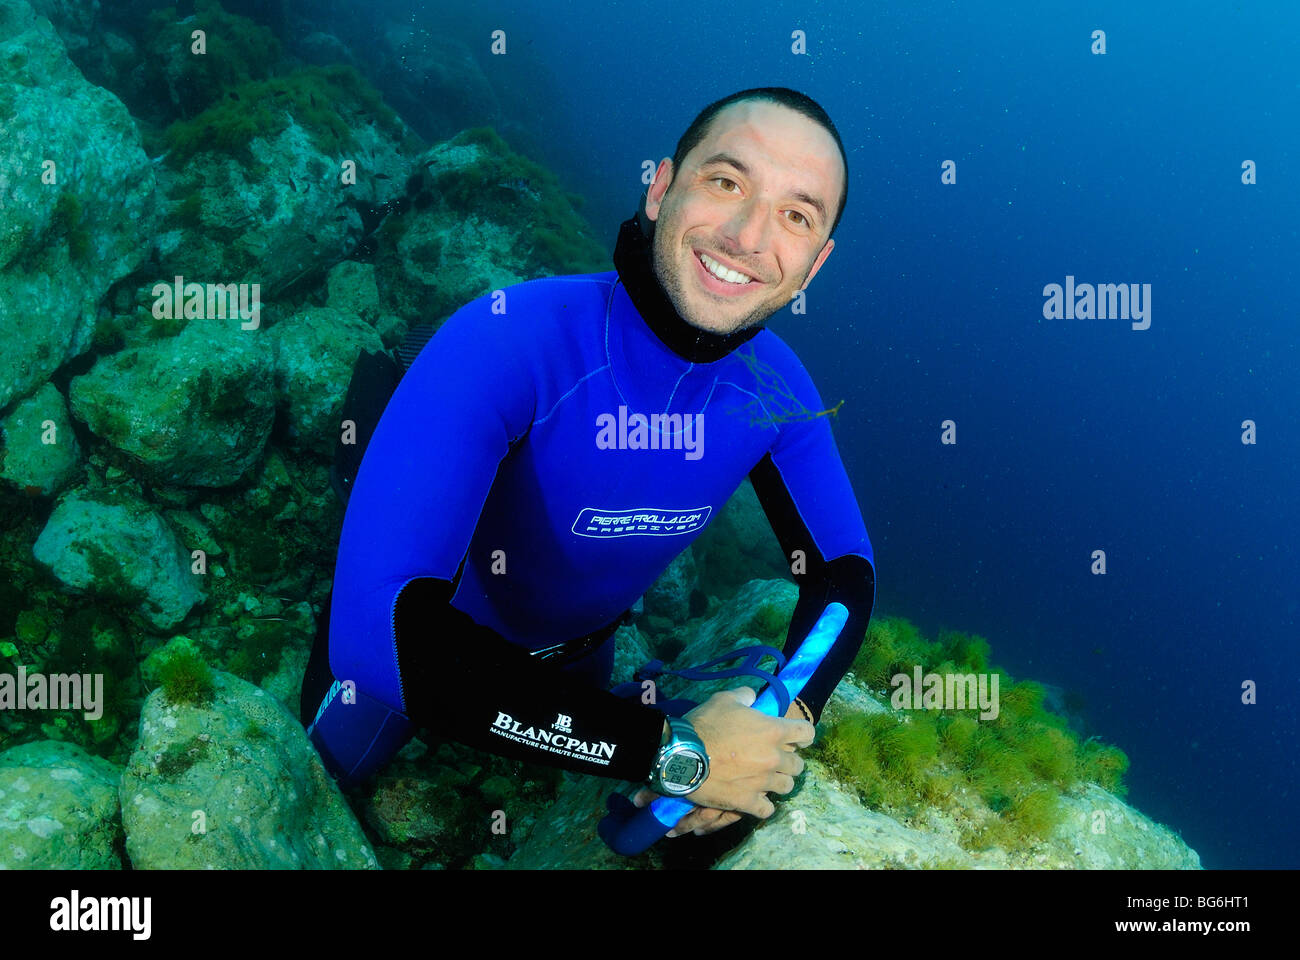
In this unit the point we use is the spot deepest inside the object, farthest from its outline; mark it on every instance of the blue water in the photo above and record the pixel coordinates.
(1073, 435)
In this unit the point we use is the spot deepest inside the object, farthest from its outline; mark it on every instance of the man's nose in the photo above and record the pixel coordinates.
(749, 225)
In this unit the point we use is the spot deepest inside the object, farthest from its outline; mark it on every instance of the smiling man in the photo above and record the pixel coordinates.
(743, 216)
(495, 539)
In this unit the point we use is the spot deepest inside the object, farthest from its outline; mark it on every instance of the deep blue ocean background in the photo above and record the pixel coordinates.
(1073, 435)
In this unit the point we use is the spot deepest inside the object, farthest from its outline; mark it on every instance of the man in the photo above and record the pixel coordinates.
(493, 516)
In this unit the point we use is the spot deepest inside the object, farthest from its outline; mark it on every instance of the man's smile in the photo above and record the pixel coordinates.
(720, 277)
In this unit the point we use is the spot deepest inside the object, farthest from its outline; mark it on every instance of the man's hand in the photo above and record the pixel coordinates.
(750, 755)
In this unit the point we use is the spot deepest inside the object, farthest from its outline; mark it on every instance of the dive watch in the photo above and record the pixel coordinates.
(682, 763)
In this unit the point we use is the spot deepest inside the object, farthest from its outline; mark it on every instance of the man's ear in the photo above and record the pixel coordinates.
(817, 264)
(654, 196)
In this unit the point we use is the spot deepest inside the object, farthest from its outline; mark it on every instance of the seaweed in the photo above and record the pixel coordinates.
(179, 757)
(238, 50)
(187, 679)
(264, 108)
(1018, 763)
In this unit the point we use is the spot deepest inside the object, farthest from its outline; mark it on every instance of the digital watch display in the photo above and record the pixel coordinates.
(682, 763)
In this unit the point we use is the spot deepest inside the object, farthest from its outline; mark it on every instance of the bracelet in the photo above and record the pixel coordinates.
(803, 708)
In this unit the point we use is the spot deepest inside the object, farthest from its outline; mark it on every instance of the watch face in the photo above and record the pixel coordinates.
(681, 769)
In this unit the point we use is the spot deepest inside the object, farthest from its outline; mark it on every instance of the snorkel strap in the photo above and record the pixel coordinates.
(749, 668)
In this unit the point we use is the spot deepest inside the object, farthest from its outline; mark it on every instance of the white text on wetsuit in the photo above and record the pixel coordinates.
(599, 752)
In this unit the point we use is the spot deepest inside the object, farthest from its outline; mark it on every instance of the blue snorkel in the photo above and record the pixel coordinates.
(629, 830)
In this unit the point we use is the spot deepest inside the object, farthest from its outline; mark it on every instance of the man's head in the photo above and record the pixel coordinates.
(756, 186)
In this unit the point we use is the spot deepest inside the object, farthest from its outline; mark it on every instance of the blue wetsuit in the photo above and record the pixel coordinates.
(516, 495)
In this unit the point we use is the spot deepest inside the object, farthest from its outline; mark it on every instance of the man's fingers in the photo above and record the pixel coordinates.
(695, 820)
(727, 819)
(800, 733)
(781, 783)
(790, 763)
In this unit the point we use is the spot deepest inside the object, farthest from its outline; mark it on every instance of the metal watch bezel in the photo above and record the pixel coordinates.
(682, 741)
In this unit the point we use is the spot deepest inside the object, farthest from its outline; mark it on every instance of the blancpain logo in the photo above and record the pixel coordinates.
(643, 522)
(599, 752)
(563, 724)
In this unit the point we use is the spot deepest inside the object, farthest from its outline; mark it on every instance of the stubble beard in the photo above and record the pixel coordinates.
(675, 286)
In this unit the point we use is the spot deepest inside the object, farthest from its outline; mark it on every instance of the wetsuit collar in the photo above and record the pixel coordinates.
(633, 259)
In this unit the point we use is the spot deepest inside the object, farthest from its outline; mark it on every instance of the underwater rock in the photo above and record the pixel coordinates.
(58, 809)
(1100, 832)
(73, 19)
(759, 612)
(350, 287)
(411, 813)
(477, 217)
(285, 169)
(317, 350)
(236, 49)
(323, 49)
(670, 595)
(233, 784)
(36, 467)
(64, 243)
(115, 546)
(738, 545)
(630, 653)
(112, 60)
(825, 827)
(194, 410)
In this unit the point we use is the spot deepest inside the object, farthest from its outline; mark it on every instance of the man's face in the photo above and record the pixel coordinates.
(756, 196)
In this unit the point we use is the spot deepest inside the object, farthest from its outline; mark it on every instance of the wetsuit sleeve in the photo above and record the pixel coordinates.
(467, 682)
(806, 495)
(468, 398)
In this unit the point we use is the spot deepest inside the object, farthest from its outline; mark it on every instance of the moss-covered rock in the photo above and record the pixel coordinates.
(317, 349)
(79, 202)
(321, 100)
(267, 185)
(58, 809)
(237, 51)
(195, 409)
(120, 550)
(479, 217)
(202, 792)
(39, 455)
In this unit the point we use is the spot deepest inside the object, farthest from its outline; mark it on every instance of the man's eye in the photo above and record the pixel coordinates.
(725, 180)
(802, 221)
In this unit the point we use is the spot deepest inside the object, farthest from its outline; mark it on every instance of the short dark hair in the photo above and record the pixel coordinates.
(786, 97)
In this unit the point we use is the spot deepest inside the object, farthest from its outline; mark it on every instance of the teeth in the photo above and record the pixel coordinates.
(721, 272)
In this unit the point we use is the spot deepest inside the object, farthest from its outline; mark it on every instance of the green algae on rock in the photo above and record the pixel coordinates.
(200, 791)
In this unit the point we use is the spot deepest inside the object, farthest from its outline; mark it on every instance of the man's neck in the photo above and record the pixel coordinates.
(634, 260)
